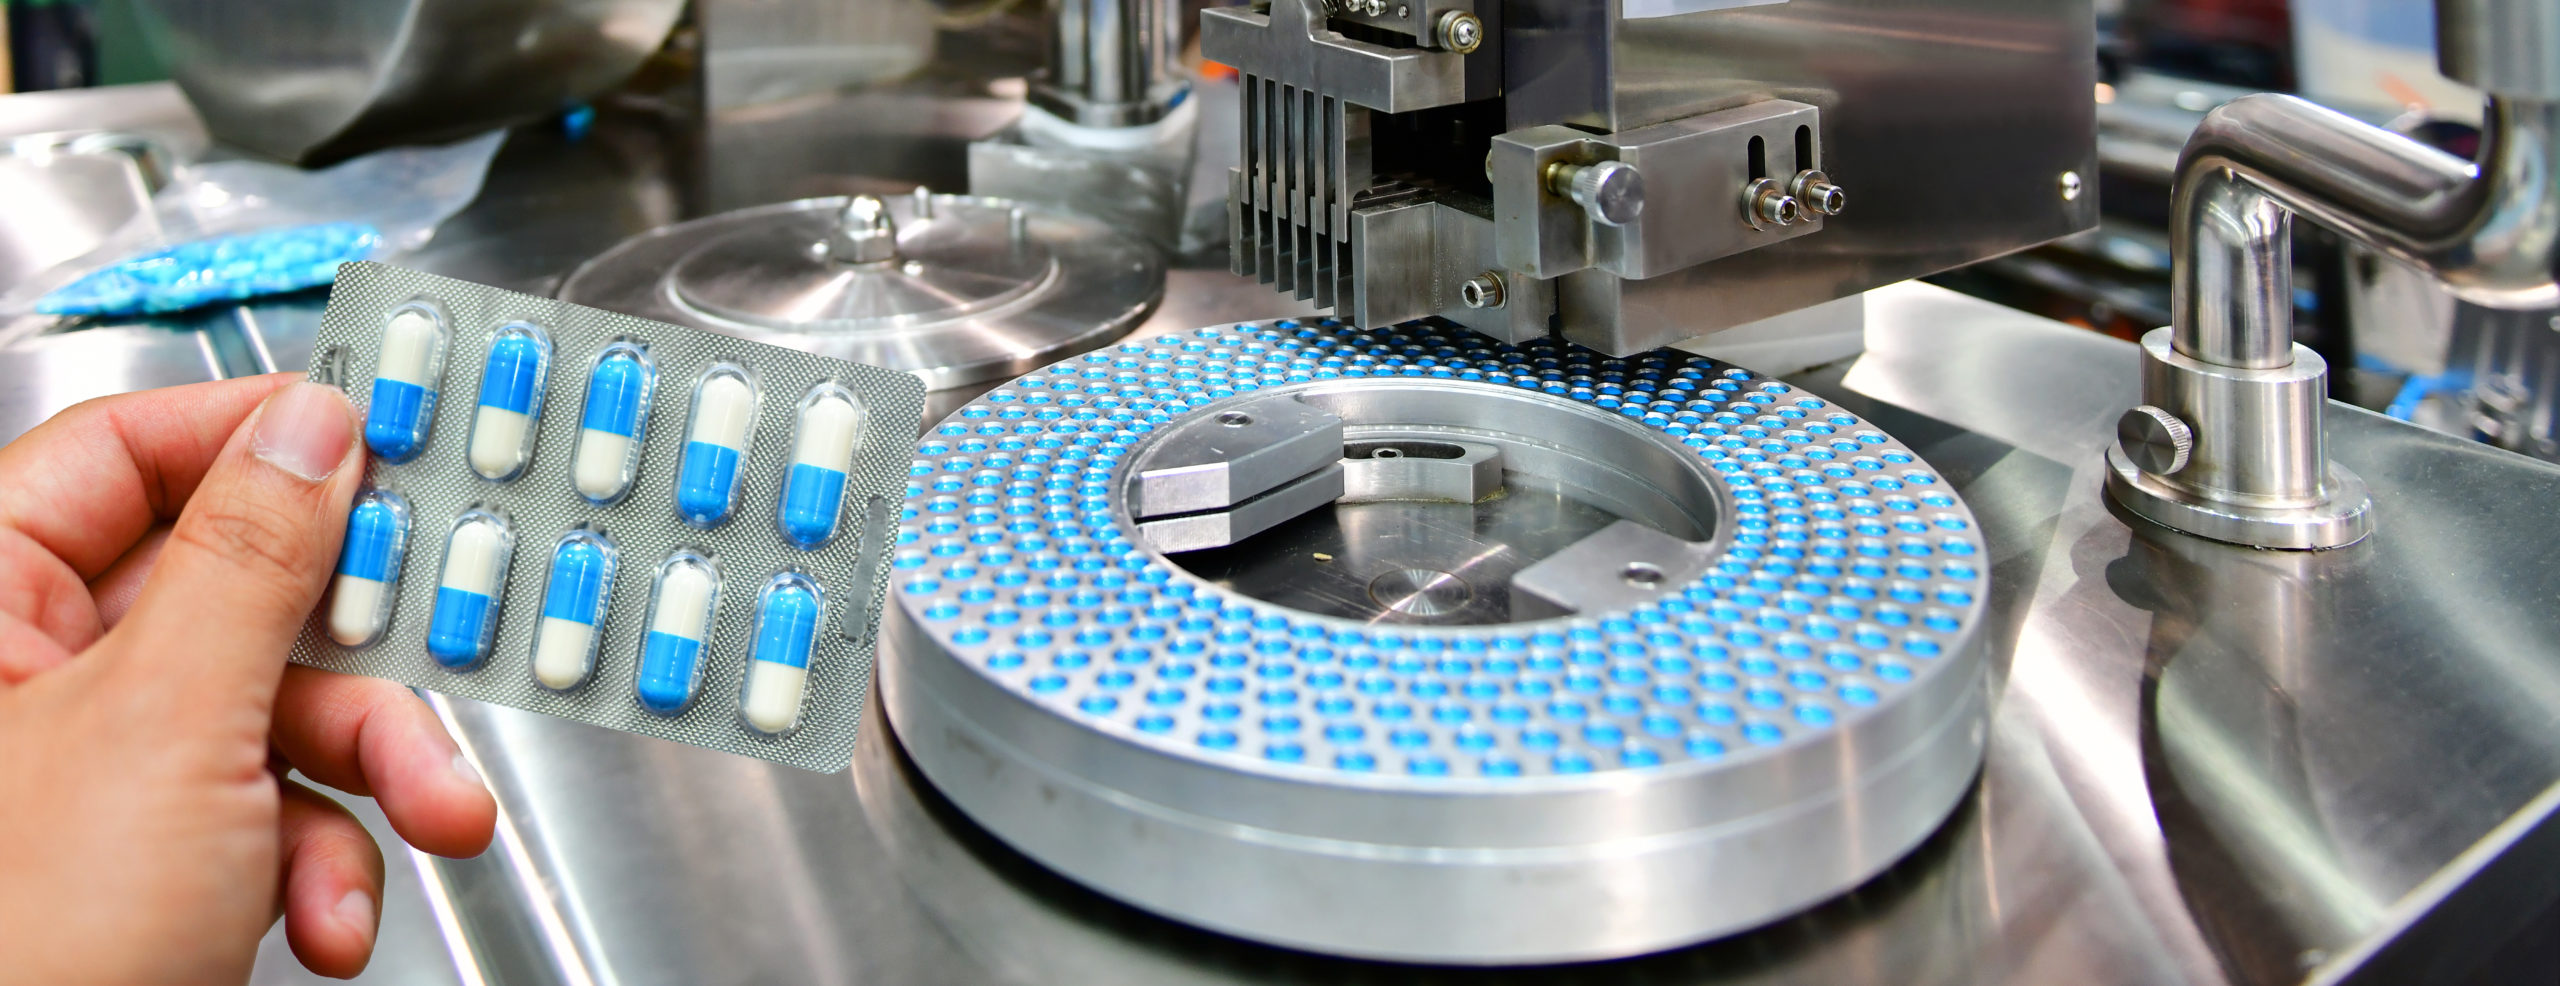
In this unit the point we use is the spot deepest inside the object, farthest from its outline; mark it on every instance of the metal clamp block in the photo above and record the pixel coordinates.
(1382, 469)
(1219, 461)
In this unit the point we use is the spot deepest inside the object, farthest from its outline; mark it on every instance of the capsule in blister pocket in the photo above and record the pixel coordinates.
(573, 606)
(368, 580)
(402, 408)
(511, 385)
(788, 615)
(828, 427)
(682, 600)
(717, 433)
(474, 584)
(614, 422)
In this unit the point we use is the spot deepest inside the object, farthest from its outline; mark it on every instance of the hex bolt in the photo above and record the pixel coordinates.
(1482, 291)
(1461, 32)
(1610, 192)
(1766, 204)
(1814, 190)
(2154, 440)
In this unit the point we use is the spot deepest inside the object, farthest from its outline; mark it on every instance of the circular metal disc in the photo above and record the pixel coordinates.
(1753, 740)
(979, 289)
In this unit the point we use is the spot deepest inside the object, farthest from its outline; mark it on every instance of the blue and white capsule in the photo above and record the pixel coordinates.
(619, 389)
(474, 584)
(682, 600)
(717, 433)
(573, 605)
(511, 386)
(830, 426)
(789, 614)
(368, 582)
(402, 408)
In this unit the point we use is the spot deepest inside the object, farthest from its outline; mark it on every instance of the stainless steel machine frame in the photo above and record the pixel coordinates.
(1649, 172)
(2229, 442)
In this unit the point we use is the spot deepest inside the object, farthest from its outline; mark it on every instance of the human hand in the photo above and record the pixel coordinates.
(159, 552)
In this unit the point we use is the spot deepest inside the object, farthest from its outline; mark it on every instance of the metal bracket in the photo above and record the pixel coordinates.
(1379, 470)
(1218, 461)
(1624, 564)
(1707, 175)
(1292, 45)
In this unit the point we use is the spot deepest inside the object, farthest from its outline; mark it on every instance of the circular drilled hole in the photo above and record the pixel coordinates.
(1642, 574)
(1235, 419)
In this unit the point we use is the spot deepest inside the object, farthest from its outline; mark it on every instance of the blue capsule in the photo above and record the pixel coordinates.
(716, 438)
(788, 616)
(686, 594)
(511, 385)
(830, 425)
(465, 620)
(573, 604)
(402, 407)
(619, 389)
(368, 582)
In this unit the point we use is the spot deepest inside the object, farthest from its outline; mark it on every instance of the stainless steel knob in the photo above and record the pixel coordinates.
(1611, 192)
(2154, 440)
(864, 233)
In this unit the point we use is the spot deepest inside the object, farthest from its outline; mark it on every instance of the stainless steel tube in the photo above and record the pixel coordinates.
(2489, 231)
(1113, 63)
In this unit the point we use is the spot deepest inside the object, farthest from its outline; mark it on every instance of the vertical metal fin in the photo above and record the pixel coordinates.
(1268, 165)
(1329, 187)
(1243, 214)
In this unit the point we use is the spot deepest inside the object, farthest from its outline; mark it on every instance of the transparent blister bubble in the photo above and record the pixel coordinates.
(719, 434)
(471, 588)
(827, 427)
(613, 419)
(367, 582)
(632, 507)
(683, 598)
(574, 597)
(515, 369)
(408, 373)
(790, 611)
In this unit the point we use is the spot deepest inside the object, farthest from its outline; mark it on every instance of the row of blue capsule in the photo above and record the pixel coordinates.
(621, 384)
(684, 600)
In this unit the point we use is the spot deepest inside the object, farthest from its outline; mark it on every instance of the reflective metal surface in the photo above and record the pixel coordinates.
(314, 80)
(954, 289)
(1955, 122)
(1113, 63)
(2227, 366)
(2207, 764)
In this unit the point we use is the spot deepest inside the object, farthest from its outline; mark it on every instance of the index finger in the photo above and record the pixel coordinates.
(89, 482)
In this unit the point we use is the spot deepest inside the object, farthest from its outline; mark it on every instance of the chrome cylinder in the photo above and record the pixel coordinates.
(2505, 47)
(1113, 63)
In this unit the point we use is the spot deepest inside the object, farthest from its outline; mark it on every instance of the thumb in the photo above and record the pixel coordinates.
(252, 551)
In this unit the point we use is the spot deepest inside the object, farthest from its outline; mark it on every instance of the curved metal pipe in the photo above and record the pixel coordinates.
(2490, 231)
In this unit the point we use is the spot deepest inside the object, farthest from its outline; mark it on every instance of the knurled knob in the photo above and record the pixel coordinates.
(2154, 440)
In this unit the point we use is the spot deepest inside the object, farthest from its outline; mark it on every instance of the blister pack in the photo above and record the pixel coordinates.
(623, 522)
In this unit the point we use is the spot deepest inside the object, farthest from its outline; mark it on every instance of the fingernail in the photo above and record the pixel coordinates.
(304, 430)
(470, 775)
(355, 910)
